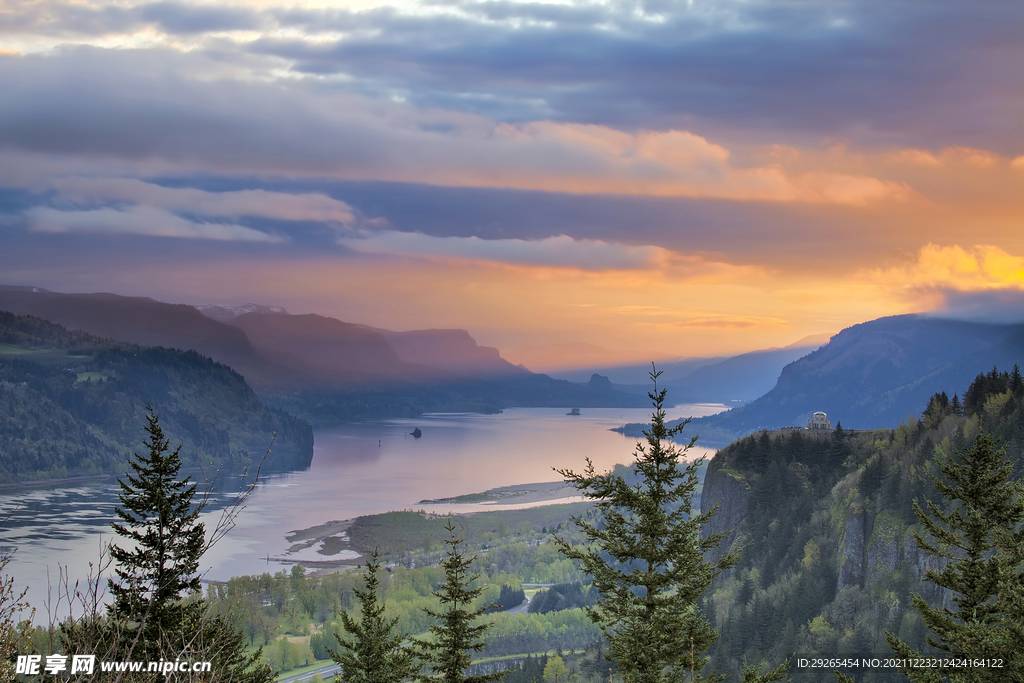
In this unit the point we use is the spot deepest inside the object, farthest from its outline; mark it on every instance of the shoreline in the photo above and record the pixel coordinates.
(331, 538)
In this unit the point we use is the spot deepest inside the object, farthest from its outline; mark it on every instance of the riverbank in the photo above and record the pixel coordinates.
(333, 549)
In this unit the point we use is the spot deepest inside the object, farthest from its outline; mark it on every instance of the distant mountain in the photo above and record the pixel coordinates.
(874, 374)
(638, 374)
(226, 313)
(454, 351)
(364, 372)
(325, 351)
(72, 403)
(739, 379)
(728, 380)
(21, 288)
(451, 351)
(145, 321)
(319, 367)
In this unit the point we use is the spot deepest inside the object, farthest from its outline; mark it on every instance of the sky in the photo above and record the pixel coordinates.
(574, 182)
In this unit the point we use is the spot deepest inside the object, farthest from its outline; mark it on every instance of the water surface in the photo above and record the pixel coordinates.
(357, 469)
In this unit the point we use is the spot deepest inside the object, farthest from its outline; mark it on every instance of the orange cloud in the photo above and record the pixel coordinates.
(593, 159)
(976, 268)
(916, 157)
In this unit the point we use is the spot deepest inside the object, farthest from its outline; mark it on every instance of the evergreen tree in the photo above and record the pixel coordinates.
(158, 612)
(375, 653)
(646, 557)
(955, 406)
(156, 577)
(981, 537)
(1016, 380)
(457, 633)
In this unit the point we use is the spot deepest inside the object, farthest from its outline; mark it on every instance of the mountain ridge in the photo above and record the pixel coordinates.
(321, 367)
(873, 374)
(72, 403)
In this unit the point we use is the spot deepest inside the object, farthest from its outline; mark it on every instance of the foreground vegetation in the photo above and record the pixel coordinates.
(826, 552)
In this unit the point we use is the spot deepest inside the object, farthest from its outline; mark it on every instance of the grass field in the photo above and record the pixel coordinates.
(9, 350)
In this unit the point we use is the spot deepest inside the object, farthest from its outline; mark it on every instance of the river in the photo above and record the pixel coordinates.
(357, 469)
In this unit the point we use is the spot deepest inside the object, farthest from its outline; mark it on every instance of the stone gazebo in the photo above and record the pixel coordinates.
(819, 421)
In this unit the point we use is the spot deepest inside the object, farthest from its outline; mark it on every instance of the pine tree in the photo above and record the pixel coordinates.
(375, 655)
(955, 406)
(981, 537)
(646, 557)
(1016, 380)
(156, 577)
(456, 633)
(158, 611)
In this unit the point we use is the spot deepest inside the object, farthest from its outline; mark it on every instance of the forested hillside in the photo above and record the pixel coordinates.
(71, 404)
(825, 520)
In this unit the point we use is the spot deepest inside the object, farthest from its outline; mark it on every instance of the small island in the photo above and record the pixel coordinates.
(416, 433)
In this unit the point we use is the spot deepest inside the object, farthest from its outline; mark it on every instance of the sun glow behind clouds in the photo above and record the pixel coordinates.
(978, 268)
(669, 178)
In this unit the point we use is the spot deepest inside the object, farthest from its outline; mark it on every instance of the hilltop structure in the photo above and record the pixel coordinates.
(819, 421)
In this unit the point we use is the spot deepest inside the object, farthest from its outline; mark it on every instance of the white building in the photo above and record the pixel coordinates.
(819, 421)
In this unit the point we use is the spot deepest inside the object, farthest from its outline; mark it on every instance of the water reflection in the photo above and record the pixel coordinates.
(357, 469)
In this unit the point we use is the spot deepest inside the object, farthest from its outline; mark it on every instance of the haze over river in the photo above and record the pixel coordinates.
(357, 469)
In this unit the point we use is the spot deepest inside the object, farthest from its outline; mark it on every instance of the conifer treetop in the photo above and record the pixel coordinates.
(980, 534)
(457, 632)
(375, 653)
(651, 586)
(158, 516)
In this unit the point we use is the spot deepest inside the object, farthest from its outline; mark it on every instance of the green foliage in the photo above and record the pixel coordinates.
(406, 530)
(158, 612)
(554, 667)
(563, 596)
(509, 597)
(375, 654)
(53, 426)
(646, 557)
(458, 631)
(157, 570)
(981, 540)
(829, 539)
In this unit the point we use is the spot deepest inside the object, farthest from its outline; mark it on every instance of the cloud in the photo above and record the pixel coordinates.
(997, 306)
(561, 251)
(979, 267)
(971, 157)
(92, 104)
(140, 221)
(261, 203)
(916, 157)
(982, 282)
(727, 322)
(920, 73)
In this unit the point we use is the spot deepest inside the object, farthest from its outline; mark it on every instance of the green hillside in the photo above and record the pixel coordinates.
(71, 404)
(825, 522)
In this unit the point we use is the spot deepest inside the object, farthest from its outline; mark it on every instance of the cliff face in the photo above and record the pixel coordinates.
(871, 549)
(727, 491)
(825, 525)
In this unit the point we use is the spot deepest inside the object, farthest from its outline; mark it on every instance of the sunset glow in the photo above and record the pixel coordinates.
(574, 183)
